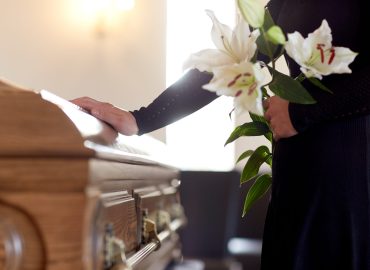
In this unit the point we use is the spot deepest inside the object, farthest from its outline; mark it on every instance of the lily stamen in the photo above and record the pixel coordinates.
(320, 48)
(238, 93)
(332, 55)
(234, 80)
(252, 88)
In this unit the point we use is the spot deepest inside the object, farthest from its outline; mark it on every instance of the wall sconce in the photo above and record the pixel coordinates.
(107, 12)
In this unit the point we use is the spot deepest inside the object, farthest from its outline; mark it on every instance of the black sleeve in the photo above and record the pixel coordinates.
(182, 98)
(353, 99)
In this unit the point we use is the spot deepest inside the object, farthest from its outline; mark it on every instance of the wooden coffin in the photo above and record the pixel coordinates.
(74, 194)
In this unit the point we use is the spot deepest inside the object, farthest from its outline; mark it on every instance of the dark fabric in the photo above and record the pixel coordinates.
(348, 24)
(318, 217)
(180, 99)
(319, 212)
(352, 98)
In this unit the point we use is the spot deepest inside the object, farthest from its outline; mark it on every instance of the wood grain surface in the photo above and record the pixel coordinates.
(21, 243)
(64, 179)
(32, 126)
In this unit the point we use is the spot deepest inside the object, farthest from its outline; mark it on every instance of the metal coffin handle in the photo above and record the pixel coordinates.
(153, 243)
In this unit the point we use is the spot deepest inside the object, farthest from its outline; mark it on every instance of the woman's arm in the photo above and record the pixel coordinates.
(182, 98)
(179, 100)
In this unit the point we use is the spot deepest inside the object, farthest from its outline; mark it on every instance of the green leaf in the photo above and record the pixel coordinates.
(264, 92)
(289, 89)
(245, 155)
(319, 84)
(269, 160)
(251, 168)
(248, 129)
(263, 44)
(268, 136)
(276, 35)
(257, 190)
(257, 118)
(253, 12)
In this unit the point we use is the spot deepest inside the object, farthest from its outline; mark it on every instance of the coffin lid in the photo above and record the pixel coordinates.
(42, 124)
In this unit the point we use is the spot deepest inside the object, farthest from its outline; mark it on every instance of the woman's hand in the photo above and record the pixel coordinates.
(122, 121)
(277, 114)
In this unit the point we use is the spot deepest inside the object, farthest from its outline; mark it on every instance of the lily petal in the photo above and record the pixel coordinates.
(343, 57)
(221, 33)
(234, 46)
(322, 35)
(243, 103)
(294, 47)
(208, 59)
(241, 32)
(241, 81)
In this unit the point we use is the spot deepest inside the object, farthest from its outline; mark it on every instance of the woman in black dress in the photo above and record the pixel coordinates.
(319, 213)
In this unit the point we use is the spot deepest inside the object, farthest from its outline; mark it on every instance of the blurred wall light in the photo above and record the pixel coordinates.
(106, 13)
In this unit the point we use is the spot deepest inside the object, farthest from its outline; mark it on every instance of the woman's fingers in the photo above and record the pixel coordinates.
(267, 116)
(277, 115)
(86, 103)
(121, 120)
(97, 108)
(266, 103)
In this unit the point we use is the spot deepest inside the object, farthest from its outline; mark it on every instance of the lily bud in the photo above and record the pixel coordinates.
(253, 12)
(276, 35)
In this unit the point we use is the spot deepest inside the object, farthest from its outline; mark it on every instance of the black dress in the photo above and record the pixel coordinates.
(319, 212)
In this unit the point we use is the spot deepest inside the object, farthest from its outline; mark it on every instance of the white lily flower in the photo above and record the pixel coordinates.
(233, 46)
(316, 55)
(243, 82)
(253, 11)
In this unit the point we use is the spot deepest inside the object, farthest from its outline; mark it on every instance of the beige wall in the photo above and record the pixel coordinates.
(52, 44)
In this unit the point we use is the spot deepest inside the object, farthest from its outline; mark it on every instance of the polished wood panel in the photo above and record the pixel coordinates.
(59, 218)
(120, 211)
(2, 250)
(43, 174)
(21, 243)
(73, 193)
(35, 127)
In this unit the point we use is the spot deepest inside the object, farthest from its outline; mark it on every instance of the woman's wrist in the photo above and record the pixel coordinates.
(129, 126)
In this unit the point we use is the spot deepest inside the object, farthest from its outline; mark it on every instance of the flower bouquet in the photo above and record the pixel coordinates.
(239, 72)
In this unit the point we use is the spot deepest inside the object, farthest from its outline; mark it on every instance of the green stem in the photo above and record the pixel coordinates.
(264, 92)
(273, 144)
(269, 51)
(300, 78)
(281, 52)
